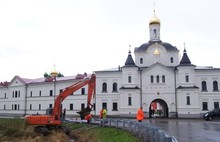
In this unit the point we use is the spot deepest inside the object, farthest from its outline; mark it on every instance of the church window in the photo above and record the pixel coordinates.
(30, 106)
(104, 105)
(188, 100)
(187, 78)
(141, 60)
(158, 79)
(4, 107)
(50, 105)
(39, 106)
(16, 94)
(152, 79)
(31, 94)
(104, 87)
(15, 106)
(204, 87)
(71, 106)
(171, 60)
(5, 95)
(83, 91)
(155, 33)
(215, 86)
(216, 104)
(115, 107)
(51, 92)
(204, 105)
(163, 79)
(129, 79)
(82, 106)
(114, 87)
(129, 101)
(39, 93)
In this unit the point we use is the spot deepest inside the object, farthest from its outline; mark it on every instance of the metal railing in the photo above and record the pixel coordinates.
(144, 131)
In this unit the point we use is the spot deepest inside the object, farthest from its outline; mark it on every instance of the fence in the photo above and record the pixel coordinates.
(146, 132)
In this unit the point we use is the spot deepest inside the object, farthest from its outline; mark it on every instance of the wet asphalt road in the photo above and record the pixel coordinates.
(189, 130)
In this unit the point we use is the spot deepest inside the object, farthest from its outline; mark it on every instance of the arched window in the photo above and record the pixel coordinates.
(152, 79)
(163, 79)
(104, 87)
(187, 78)
(158, 79)
(114, 87)
(171, 60)
(141, 60)
(155, 33)
(129, 79)
(215, 86)
(204, 87)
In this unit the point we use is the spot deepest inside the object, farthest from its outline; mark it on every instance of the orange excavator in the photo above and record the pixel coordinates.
(53, 118)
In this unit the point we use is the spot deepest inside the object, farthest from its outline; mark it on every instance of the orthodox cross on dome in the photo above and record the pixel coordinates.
(154, 26)
(154, 6)
(54, 73)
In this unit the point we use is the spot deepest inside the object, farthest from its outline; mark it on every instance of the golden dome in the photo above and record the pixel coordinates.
(54, 73)
(154, 20)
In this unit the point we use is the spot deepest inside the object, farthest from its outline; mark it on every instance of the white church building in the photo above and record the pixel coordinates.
(156, 79)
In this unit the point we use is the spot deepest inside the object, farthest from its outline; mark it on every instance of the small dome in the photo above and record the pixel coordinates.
(54, 73)
(154, 20)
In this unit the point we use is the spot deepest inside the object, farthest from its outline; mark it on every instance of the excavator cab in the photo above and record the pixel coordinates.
(49, 111)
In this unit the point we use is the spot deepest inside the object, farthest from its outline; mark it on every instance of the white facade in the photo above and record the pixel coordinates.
(156, 76)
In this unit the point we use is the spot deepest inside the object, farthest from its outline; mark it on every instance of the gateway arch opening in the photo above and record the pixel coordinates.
(158, 109)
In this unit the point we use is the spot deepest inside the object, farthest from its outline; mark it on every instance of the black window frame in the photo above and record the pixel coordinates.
(204, 86)
(187, 78)
(114, 106)
(129, 79)
(216, 104)
(129, 101)
(188, 100)
(104, 87)
(71, 106)
(152, 79)
(215, 86)
(141, 61)
(114, 87)
(205, 106)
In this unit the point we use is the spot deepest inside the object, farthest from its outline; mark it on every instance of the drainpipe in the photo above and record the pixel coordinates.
(175, 92)
(140, 87)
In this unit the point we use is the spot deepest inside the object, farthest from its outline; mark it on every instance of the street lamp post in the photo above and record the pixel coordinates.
(54, 94)
(54, 74)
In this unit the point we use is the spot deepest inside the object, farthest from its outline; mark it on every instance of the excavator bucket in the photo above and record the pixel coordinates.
(84, 112)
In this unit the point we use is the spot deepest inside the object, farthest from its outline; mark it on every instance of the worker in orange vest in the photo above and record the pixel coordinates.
(140, 114)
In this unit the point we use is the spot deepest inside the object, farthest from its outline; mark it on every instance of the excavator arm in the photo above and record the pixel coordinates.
(54, 119)
(69, 90)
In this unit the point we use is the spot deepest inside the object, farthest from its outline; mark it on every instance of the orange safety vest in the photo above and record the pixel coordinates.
(140, 114)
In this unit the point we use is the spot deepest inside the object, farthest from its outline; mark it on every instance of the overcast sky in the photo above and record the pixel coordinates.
(88, 35)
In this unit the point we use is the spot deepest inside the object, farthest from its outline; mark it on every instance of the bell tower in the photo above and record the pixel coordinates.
(154, 27)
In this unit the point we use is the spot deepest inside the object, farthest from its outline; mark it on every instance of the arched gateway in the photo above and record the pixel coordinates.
(158, 108)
